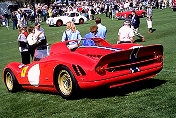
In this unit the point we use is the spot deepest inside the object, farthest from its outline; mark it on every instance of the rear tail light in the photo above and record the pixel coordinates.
(158, 56)
(100, 70)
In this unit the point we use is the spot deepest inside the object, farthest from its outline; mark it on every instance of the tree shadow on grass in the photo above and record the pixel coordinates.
(99, 93)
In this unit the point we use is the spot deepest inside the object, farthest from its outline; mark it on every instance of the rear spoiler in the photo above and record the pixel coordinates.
(132, 54)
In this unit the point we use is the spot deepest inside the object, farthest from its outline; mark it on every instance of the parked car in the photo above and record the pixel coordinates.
(68, 67)
(26, 10)
(124, 15)
(174, 5)
(69, 16)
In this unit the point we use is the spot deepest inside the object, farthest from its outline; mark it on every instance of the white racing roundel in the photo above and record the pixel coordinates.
(33, 75)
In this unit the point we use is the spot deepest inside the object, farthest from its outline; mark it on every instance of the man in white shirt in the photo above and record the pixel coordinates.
(39, 32)
(101, 29)
(126, 34)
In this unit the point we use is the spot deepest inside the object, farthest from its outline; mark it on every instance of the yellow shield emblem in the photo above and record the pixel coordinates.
(23, 72)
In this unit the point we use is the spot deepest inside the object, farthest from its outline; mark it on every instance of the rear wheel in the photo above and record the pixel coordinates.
(143, 15)
(81, 21)
(66, 83)
(11, 81)
(130, 16)
(59, 23)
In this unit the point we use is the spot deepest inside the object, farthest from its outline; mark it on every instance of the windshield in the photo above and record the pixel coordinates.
(41, 53)
(87, 43)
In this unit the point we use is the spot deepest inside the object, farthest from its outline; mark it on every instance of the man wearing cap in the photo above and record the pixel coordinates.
(135, 21)
(126, 34)
(40, 34)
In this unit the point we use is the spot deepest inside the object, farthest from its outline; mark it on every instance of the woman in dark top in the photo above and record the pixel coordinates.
(23, 47)
(14, 19)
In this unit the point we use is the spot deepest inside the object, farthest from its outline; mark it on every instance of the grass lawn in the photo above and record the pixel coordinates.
(152, 98)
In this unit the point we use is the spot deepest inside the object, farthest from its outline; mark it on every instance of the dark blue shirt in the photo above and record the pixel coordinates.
(135, 21)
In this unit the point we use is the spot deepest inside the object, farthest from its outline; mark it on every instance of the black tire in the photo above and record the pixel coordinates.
(11, 81)
(130, 16)
(66, 83)
(59, 23)
(81, 21)
(143, 15)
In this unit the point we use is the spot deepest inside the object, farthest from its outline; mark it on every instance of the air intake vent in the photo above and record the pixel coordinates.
(81, 70)
(78, 70)
(75, 69)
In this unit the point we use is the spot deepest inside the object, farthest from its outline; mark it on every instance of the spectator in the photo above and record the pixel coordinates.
(40, 33)
(66, 32)
(157, 4)
(32, 41)
(106, 9)
(54, 12)
(90, 14)
(91, 34)
(140, 6)
(6, 16)
(50, 12)
(160, 4)
(126, 34)
(19, 15)
(23, 47)
(135, 25)
(93, 13)
(73, 33)
(101, 8)
(32, 17)
(44, 15)
(24, 19)
(101, 29)
(14, 19)
(110, 11)
(38, 15)
(149, 18)
(1, 19)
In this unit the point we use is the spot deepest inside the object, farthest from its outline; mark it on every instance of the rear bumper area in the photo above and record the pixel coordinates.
(122, 79)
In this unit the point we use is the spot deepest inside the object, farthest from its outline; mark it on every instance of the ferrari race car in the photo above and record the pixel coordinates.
(68, 67)
(128, 14)
(69, 16)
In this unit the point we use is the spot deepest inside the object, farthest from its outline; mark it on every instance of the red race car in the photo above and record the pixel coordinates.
(128, 14)
(68, 67)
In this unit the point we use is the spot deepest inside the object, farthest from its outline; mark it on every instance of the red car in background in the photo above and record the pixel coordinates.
(68, 67)
(174, 5)
(128, 14)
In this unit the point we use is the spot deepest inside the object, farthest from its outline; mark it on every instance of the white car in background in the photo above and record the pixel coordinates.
(26, 10)
(68, 16)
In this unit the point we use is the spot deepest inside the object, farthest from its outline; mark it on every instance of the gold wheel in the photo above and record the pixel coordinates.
(9, 81)
(65, 82)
